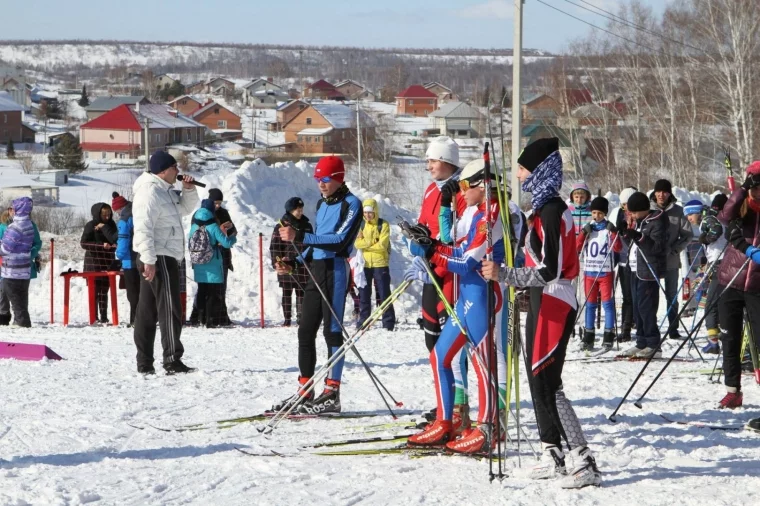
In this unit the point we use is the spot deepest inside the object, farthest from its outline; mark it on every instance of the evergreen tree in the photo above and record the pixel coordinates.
(85, 100)
(486, 96)
(67, 155)
(10, 151)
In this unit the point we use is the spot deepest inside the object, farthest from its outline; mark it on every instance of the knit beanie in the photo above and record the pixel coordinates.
(160, 161)
(581, 186)
(118, 202)
(626, 194)
(445, 149)
(292, 204)
(536, 152)
(638, 202)
(215, 194)
(692, 207)
(330, 166)
(754, 168)
(600, 204)
(208, 204)
(719, 201)
(663, 185)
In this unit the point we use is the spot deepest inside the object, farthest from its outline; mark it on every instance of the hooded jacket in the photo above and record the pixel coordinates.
(733, 260)
(652, 246)
(374, 240)
(282, 250)
(157, 212)
(36, 246)
(679, 232)
(212, 271)
(18, 242)
(126, 230)
(97, 257)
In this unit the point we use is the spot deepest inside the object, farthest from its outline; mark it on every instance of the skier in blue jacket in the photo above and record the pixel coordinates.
(125, 254)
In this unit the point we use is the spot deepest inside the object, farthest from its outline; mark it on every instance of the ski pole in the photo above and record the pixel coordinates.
(612, 417)
(683, 343)
(309, 386)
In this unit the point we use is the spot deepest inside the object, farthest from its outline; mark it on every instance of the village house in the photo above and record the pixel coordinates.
(13, 81)
(354, 91)
(444, 93)
(575, 97)
(102, 105)
(325, 128)
(196, 88)
(287, 111)
(416, 101)
(220, 86)
(458, 119)
(219, 119)
(186, 104)
(540, 107)
(162, 81)
(262, 84)
(11, 120)
(323, 90)
(119, 133)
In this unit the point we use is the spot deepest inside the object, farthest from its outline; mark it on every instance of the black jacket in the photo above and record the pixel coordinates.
(223, 216)
(97, 257)
(280, 249)
(652, 245)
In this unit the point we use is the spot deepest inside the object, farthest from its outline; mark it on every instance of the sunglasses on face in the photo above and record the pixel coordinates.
(465, 185)
(325, 179)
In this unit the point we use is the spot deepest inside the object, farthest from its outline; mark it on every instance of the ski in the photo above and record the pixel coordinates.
(346, 442)
(702, 425)
(271, 453)
(603, 359)
(412, 452)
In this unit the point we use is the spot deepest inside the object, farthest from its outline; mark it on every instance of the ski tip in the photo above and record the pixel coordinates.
(399, 404)
(638, 404)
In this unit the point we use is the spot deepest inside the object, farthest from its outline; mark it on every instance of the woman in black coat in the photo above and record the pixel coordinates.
(99, 242)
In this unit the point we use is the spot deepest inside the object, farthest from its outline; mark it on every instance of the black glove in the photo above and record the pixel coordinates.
(735, 236)
(448, 190)
(611, 227)
(752, 181)
(704, 239)
(632, 234)
(587, 229)
(418, 233)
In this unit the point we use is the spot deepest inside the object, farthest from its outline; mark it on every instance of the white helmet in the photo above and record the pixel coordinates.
(625, 195)
(443, 148)
(472, 169)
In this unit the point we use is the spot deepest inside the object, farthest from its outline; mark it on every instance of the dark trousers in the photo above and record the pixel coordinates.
(671, 292)
(333, 277)
(645, 303)
(17, 293)
(287, 301)
(102, 288)
(732, 306)
(434, 313)
(132, 281)
(209, 301)
(626, 310)
(381, 277)
(159, 303)
(711, 304)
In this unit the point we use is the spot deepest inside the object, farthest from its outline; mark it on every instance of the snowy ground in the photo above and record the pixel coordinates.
(68, 440)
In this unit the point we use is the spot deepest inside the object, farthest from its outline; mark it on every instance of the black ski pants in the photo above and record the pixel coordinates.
(132, 282)
(626, 309)
(732, 306)
(712, 320)
(159, 303)
(17, 293)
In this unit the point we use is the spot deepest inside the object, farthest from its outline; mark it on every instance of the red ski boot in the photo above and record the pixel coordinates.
(476, 441)
(436, 434)
(732, 400)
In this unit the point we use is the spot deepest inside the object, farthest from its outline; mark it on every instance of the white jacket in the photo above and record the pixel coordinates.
(157, 211)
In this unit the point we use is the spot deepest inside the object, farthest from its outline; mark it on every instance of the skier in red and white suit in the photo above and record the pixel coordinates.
(551, 264)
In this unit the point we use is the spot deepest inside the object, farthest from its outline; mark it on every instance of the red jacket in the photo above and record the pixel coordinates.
(733, 260)
(431, 205)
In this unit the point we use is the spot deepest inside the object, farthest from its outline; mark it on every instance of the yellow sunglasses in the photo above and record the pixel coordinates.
(465, 185)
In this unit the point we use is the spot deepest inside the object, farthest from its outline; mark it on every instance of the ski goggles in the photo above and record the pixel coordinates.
(465, 185)
(327, 179)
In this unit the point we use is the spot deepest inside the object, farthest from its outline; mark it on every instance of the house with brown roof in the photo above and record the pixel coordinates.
(220, 86)
(416, 101)
(540, 107)
(323, 90)
(11, 119)
(288, 111)
(445, 94)
(219, 119)
(326, 128)
(186, 104)
(354, 90)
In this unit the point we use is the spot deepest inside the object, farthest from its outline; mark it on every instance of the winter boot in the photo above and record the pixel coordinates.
(625, 335)
(732, 400)
(630, 352)
(286, 323)
(476, 441)
(460, 422)
(712, 347)
(177, 367)
(286, 403)
(608, 340)
(753, 425)
(328, 403)
(146, 370)
(588, 340)
(649, 352)
(437, 433)
(5, 319)
(585, 472)
(552, 464)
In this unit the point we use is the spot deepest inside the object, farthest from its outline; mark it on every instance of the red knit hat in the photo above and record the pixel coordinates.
(118, 201)
(330, 166)
(754, 168)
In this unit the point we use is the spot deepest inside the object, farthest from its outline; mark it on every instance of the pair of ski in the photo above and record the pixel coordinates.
(600, 357)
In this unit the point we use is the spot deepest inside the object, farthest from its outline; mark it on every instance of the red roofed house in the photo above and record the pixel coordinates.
(119, 132)
(324, 90)
(577, 97)
(416, 101)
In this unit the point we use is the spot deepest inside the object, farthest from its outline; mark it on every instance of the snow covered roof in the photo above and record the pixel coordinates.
(427, 86)
(456, 110)
(209, 106)
(274, 93)
(108, 103)
(315, 131)
(7, 104)
(161, 117)
(187, 97)
(261, 79)
(341, 116)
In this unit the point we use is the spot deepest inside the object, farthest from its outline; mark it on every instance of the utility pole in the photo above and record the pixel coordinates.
(359, 142)
(516, 97)
(147, 142)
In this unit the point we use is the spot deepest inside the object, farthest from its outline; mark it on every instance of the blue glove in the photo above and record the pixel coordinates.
(752, 252)
(417, 271)
(417, 250)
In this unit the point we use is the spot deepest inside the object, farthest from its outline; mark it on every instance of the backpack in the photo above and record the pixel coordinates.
(379, 228)
(200, 248)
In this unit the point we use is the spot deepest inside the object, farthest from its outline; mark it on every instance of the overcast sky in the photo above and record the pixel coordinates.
(362, 23)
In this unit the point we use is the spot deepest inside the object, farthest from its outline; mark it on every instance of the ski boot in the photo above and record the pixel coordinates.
(732, 400)
(437, 433)
(585, 473)
(630, 352)
(552, 464)
(286, 403)
(608, 340)
(328, 403)
(460, 422)
(476, 441)
(753, 425)
(625, 335)
(712, 347)
(588, 340)
(5, 319)
(649, 352)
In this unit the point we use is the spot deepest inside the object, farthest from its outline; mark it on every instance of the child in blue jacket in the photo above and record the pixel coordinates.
(210, 275)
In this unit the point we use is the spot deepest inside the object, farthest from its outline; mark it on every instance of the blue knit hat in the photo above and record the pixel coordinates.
(208, 204)
(692, 207)
(160, 161)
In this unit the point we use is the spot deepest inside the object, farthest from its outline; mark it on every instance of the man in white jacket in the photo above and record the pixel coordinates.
(159, 241)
